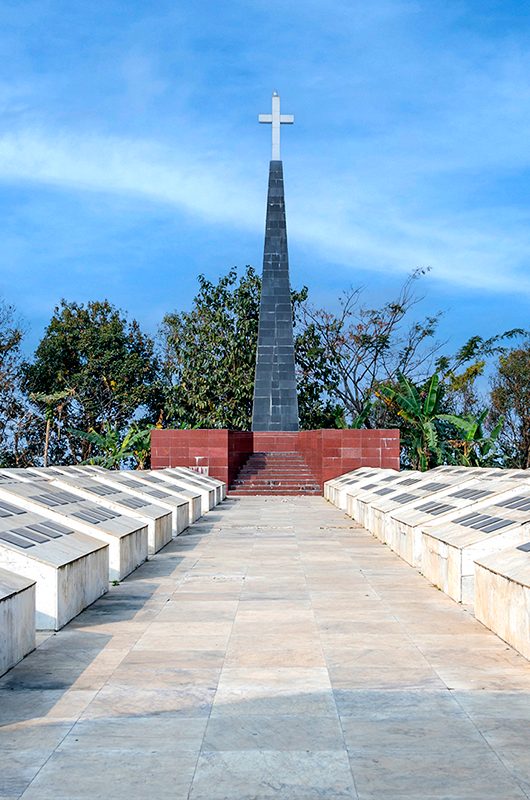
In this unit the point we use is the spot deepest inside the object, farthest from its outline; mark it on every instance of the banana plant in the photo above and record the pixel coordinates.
(361, 418)
(115, 448)
(420, 409)
(475, 448)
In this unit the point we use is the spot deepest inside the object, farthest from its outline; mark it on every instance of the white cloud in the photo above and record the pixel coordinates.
(344, 220)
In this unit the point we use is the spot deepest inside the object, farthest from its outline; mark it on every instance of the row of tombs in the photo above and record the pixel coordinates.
(67, 533)
(467, 530)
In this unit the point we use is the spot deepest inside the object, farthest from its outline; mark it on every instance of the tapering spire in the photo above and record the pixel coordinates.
(275, 398)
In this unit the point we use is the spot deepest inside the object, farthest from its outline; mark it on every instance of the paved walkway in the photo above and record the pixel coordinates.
(276, 650)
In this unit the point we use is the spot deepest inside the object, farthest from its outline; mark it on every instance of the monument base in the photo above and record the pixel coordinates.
(328, 452)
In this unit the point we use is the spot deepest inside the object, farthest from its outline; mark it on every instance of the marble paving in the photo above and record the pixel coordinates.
(274, 650)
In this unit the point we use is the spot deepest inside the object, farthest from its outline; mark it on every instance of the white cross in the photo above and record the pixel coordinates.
(276, 119)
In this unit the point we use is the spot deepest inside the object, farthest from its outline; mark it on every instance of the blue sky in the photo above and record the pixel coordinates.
(131, 159)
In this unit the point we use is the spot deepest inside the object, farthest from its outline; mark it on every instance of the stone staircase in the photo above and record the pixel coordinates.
(275, 474)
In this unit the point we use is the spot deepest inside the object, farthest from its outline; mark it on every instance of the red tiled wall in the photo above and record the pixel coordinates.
(345, 450)
(189, 448)
(333, 452)
(310, 445)
(240, 447)
(265, 442)
(328, 452)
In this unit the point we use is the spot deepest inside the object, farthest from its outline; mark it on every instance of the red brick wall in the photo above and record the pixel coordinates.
(328, 452)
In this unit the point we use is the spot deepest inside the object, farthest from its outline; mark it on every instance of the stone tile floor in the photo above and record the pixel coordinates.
(275, 650)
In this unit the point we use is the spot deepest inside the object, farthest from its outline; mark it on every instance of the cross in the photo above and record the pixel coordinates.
(276, 119)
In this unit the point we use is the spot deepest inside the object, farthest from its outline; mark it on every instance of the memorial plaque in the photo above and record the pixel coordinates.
(519, 503)
(482, 522)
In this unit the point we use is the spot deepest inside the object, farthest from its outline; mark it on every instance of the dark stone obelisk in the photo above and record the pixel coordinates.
(275, 399)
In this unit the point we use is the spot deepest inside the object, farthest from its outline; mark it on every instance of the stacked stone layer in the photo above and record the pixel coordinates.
(275, 399)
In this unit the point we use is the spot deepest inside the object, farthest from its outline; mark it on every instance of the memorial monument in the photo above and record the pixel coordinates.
(275, 406)
(275, 457)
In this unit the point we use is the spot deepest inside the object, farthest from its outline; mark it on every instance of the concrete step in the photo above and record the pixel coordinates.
(275, 473)
(279, 474)
(264, 483)
(269, 493)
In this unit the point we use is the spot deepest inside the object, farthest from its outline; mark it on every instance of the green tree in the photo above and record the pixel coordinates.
(209, 354)
(11, 400)
(429, 436)
(54, 406)
(106, 361)
(461, 371)
(210, 358)
(510, 397)
(365, 347)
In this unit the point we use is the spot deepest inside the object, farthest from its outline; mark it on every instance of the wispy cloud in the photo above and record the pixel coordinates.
(335, 215)
(410, 146)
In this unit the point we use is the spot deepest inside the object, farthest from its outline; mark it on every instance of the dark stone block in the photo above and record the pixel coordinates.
(275, 399)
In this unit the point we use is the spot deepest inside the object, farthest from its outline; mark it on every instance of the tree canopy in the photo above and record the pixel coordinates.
(210, 358)
(102, 362)
(510, 396)
(97, 383)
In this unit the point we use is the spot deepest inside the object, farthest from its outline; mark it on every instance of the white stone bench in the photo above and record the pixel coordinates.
(502, 595)
(17, 618)
(71, 569)
(126, 537)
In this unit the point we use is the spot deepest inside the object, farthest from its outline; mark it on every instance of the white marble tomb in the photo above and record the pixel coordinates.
(178, 483)
(338, 490)
(125, 536)
(404, 527)
(450, 548)
(180, 503)
(199, 478)
(502, 595)
(17, 618)
(158, 520)
(71, 569)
